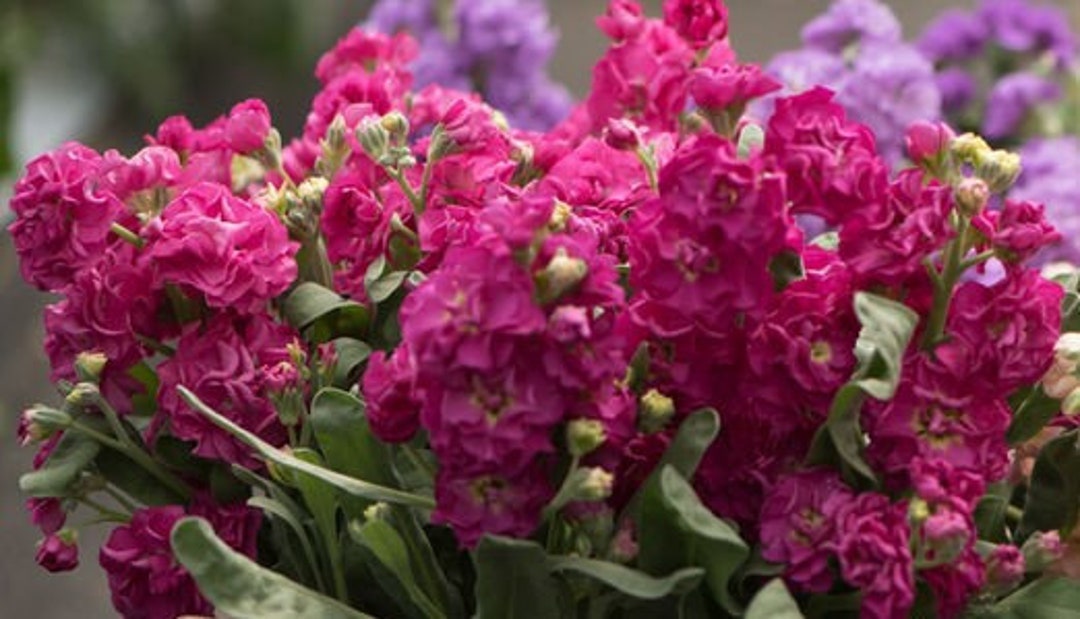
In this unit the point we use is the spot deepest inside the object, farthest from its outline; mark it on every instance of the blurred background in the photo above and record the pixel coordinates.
(108, 71)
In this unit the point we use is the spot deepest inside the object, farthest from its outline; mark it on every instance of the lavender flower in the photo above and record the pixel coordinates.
(499, 48)
(1050, 178)
(1012, 98)
(856, 49)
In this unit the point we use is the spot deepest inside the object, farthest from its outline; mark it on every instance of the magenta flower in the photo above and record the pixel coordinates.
(223, 362)
(248, 126)
(489, 501)
(701, 22)
(58, 553)
(389, 387)
(46, 514)
(874, 555)
(717, 88)
(232, 252)
(62, 216)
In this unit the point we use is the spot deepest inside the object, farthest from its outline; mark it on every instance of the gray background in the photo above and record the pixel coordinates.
(759, 29)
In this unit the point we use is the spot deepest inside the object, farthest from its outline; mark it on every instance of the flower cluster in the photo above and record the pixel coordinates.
(512, 334)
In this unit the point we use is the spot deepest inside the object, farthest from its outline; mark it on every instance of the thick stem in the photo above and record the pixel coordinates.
(943, 288)
(127, 235)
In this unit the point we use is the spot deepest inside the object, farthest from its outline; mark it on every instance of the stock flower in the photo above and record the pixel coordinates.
(222, 362)
(798, 527)
(489, 501)
(700, 22)
(232, 252)
(852, 22)
(1012, 97)
(63, 216)
(1046, 179)
(716, 88)
(248, 126)
(389, 387)
(57, 553)
(811, 132)
(874, 555)
(145, 579)
(46, 514)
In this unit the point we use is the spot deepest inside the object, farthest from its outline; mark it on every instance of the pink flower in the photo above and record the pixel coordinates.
(248, 126)
(223, 363)
(730, 86)
(700, 22)
(1010, 328)
(62, 216)
(234, 253)
(1004, 568)
(46, 514)
(798, 527)
(1021, 230)
(145, 579)
(58, 553)
(489, 501)
(389, 387)
(364, 51)
(624, 19)
(874, 555)
(885, 241)
(926, 141)
(956, 582)
(832, 166)
(470, 127)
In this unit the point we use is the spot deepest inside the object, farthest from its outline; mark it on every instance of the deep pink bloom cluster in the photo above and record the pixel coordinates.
(543, 301)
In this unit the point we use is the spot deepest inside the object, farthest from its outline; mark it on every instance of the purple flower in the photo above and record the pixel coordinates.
(955, 35)
(1024, 27)
(849, 22)
(499, 48)
(1012, 98)
(958, 89)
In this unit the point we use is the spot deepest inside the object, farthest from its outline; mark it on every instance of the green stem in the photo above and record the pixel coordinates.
(105, 512)
(1013, 514)
(399, 178)
(418, 461)
(425, 184)
(648, 161)
(943, 287)
(120, 498)
(127, 235)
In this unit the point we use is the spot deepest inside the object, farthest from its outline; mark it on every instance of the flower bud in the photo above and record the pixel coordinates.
(59, 552)
(1004, 569)
(245, 171)
(560, 215)
(1042, 550)
(944, 536)
(583, 436)
(43, 422)
(90, 365)
(374, 138)
(397, 127)
(999, 169)
(656, 411)
(972, 196)
(83, 394)
(969, 147)
(624, 546)
(928, 142)
(311, 193)
(377, 511)
(1071, 404)
(1062, 378)
(622, 134)
(562, 274)
(595, 485)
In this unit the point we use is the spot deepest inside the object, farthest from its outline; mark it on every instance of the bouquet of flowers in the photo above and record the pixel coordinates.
(421, 363)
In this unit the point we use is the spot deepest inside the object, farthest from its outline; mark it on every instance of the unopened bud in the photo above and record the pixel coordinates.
(311, 192)
(969, 147)
(83, 394)
(377, 511)
(397, 126)
(41, 423)
(622, 134)
(624, 547)
(1004, 569)
(90, 365)
(1071, 404)
(999, 169)
(1042, 550)
(927, 142)
(596, 485)
(1062, 377)
(918, 512)
(562, 274)
(583, 436)
(656, 411)
(560, 216)
(335, 135)
(972, 196)
(374, 138)
(245, 171)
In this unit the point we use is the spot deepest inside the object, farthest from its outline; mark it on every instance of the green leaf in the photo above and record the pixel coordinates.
(351, 355)
(385, 286)
(990, 513)
(1053, 495)
(773, 602)
(276, 509)
(676, 530)
(384, 546)
(340, 424)
(239, 587)
(128, 476)
(349, 485)
(887, 327)
(1046, 598)
(1031, 416)
(632, 582)
(513, 581)
(323, 314)
(73, 454)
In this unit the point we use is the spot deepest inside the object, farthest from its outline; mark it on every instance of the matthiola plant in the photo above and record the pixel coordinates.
(422, 363)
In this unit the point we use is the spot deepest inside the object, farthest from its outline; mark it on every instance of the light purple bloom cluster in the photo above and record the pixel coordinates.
(856, 49)
(1018, 49)
(1050, 177)
(499, 48)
